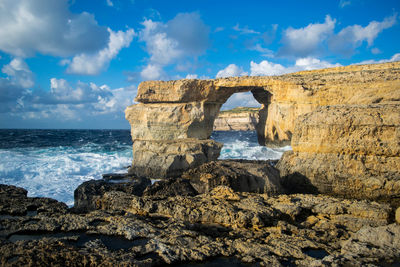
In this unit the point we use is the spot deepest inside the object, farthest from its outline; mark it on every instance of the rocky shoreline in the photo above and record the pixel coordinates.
(201, 217)
(332, 201)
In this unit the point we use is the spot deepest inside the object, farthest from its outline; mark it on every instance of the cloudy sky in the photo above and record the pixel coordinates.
(77, 64)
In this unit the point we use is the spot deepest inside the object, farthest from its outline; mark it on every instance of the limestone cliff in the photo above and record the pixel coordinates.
(186, 109)
(238, 119)
(347, 150)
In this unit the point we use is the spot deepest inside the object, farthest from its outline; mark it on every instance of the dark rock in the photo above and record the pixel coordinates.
(170, 187)
(86, 195)
(14, 201)
(240, 175)
(297, 230)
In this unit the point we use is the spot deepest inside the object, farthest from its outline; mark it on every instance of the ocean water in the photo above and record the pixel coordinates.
(52, 163)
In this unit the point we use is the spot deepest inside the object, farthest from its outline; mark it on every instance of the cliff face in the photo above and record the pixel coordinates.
(238, 119)
(185, 109)
(347, 150)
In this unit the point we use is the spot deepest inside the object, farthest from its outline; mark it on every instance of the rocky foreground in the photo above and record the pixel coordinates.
(199, 217)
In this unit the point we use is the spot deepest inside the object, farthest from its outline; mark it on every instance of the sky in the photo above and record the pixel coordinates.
(77, 64)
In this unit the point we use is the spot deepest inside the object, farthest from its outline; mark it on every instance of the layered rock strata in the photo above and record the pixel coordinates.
(128, 230)
(348, 150)
(239, 119)
(185, 109)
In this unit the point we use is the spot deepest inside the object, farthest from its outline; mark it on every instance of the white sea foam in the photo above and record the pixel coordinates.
(56, 171)
(250, 150)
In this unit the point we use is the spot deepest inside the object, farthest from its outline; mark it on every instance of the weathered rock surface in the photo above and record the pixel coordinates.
(159, 159)
(88, 193)
(149, 231)
(240, 175)
(170, 188)
(239, 119)
(351, 151)
(175, 110)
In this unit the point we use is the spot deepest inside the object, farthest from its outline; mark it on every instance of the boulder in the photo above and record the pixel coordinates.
(239, 175)
(87, 195)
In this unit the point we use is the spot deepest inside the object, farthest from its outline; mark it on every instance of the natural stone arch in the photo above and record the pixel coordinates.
(172, 125)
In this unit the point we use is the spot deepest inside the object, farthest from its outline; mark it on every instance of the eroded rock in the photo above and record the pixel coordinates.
(240, 175)
(176, 110)
(87, 195)
(351, 151)
(160, 159)
(151, 231)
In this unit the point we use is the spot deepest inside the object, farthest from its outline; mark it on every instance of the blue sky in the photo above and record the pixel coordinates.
(77, 64)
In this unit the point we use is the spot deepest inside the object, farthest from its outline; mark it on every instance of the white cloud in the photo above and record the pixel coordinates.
(306, 41)
(84, 100)
(109, 3)
(310, 63)
(244, 30)
(47, 27)
(240, 100)
(231, 70)
(92, 64)
(351, 37)
(185, 36)
(395, 57)
(191, 76)
(152, 72)
(195, 76)
(19, 73)
(266, 68)
(17, 83)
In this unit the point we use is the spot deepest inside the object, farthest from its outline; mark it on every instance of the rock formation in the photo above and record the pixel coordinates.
(129, 230)
(238, 119)
(182, 113)
(348, 150)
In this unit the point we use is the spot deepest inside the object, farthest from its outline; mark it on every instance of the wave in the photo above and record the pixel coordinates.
(53, 163)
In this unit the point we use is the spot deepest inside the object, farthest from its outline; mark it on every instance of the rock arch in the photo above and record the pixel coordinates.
(173, 121)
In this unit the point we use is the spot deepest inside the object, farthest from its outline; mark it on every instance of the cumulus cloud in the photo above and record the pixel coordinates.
(245, 99)
(395, 57)
(92, 64)
(231, 70)
(184, 36)
(306, 41)
(152, 72)
(48, 27)
(19, 73)
(351, 37)
(19, 79)
(74, 102)
(265, 68)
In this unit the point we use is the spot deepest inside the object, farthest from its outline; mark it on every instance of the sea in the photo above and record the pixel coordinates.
(53, 163)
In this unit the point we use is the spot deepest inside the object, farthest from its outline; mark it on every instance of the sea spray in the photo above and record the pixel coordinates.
(52, 163)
